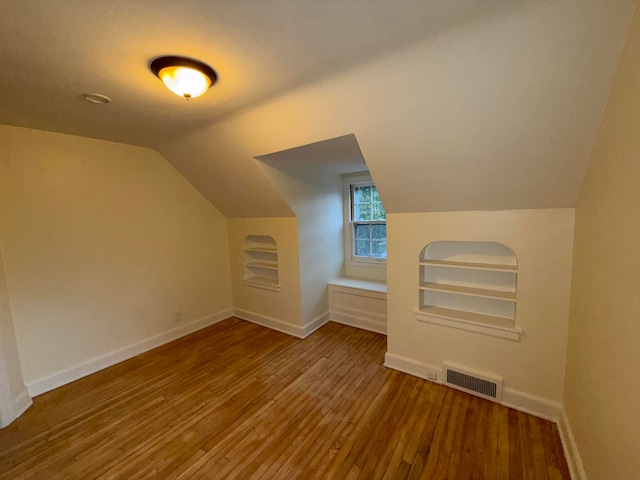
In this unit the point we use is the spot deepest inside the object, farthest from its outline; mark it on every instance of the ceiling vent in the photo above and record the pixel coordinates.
(475, 383)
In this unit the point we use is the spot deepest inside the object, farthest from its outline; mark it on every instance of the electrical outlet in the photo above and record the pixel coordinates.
(178, 316)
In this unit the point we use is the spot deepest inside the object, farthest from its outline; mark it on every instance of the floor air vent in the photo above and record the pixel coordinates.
(482, 385)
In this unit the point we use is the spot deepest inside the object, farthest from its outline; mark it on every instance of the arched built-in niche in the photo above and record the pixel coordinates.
(261, 262)
(469, 285)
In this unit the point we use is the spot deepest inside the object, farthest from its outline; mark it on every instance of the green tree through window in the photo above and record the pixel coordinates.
(369, 222)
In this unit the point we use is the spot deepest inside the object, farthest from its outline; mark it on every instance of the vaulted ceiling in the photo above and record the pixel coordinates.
(52, 51)
(458, 105)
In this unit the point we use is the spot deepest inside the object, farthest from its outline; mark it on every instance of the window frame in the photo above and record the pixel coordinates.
(351, 181)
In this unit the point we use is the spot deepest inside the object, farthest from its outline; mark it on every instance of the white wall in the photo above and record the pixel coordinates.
(277, 309)
(602, 391)
(14, 397)
(321, 239)
(315, 196)
(103, 243)
(542, 242)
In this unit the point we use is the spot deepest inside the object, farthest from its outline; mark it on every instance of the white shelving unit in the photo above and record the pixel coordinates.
(261, 262)
(469, 286)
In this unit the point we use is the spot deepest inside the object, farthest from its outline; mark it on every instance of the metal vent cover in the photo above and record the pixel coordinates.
(475, 383)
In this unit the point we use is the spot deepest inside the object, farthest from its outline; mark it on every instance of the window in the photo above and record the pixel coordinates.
(367, 220)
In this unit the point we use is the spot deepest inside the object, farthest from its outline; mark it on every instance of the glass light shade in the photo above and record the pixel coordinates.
(184, 81)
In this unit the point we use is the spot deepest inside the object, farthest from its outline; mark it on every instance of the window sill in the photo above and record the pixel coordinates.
(457, 321)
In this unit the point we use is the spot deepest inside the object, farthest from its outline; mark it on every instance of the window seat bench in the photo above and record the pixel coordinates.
(358, 303)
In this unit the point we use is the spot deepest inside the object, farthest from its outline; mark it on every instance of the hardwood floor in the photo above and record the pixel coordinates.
(237, 400)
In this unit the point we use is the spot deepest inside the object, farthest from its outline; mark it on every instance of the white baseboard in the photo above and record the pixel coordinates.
(280, 326)
(18, 406)
(22, 402)
(571, 453)
(413, 367)
(99, 363)
(315, 324)
(269, 322)
(531, 404)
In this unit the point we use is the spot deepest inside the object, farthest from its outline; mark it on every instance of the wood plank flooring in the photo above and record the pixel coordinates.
(237, 400)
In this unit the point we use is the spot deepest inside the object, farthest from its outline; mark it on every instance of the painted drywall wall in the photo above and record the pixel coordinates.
(542, 241)
(12, 387)
(602, 391)
(495, 112)
(277, 309)
(316, 198)
(103, 244)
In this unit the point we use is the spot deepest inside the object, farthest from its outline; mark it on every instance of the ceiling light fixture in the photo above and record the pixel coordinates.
(184, 76)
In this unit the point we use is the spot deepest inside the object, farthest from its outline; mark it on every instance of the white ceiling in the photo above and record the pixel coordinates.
(52, 51)
(498, 111)
(455, 105)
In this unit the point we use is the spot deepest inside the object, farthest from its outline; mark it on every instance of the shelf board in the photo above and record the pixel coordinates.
(269, 265)
(496, 267)
(482, 318)
(470, 291)
(263, 280)
(261, 249)
(265, 283)
(469, 321)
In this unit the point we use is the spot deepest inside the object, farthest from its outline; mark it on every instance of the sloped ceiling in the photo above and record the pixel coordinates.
(459, 105)
(497, 112)
(53, 51)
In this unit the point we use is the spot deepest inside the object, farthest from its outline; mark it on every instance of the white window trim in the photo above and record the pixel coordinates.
(350, 259)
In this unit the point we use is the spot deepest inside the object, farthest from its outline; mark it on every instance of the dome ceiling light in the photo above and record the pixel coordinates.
(184, 76)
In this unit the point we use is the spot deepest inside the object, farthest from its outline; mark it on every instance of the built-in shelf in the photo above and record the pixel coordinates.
(261, 262)
(469, 286)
